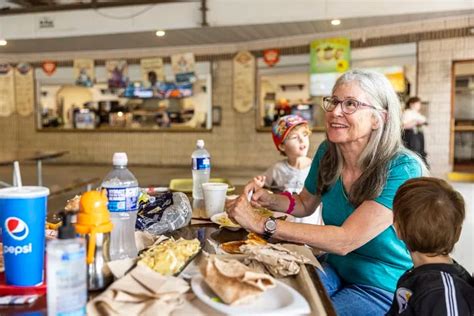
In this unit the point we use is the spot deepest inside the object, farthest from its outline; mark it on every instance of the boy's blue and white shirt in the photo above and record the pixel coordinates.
(434, 289)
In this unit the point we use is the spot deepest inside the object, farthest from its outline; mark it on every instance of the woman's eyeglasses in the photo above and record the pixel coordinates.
(348, 106)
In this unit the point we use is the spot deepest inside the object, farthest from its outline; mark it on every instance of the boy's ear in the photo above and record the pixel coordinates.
(281, 147)
(395, 227)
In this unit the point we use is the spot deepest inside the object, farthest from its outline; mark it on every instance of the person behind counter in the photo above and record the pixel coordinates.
(355, 174)
(413, 121)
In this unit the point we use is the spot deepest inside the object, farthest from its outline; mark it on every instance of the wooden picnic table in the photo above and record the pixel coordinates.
(7, 158)
(306, 282)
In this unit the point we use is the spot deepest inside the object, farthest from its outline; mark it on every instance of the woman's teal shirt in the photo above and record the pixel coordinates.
(381, 261)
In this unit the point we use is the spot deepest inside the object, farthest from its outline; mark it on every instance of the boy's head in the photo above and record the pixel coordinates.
(290, 135)
(428, 215)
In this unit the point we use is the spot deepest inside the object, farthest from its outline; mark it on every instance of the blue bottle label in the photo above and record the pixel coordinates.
(71, 282)
(201, 163)
(122, 199)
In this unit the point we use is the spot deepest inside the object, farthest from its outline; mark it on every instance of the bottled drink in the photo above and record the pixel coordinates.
(122, 193)
(201, 168)
(66, 270)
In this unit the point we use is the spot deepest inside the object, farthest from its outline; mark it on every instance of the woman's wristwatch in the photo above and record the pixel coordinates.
(269, 228)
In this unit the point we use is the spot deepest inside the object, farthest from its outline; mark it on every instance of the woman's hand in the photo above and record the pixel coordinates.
(240, 211)
(260, 196)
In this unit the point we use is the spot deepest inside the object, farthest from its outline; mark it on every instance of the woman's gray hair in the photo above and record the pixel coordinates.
(384, 142)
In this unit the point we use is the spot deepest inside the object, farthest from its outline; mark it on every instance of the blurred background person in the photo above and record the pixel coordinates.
(413, 121)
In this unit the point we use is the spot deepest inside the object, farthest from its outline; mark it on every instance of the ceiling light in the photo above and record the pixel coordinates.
(3, 42)
(160, 33)
(336, 22)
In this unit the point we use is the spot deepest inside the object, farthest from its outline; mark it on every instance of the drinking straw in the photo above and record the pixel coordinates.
(17, 174)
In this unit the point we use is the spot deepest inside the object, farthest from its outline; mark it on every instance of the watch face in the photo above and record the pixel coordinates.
(270, 225)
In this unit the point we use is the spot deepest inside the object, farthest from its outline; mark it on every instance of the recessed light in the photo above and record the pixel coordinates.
(336, 22)
(160, 33)
(3, 42)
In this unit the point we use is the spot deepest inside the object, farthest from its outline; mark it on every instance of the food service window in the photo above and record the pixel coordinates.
(65, 106)
(462, 133)
(289, 88)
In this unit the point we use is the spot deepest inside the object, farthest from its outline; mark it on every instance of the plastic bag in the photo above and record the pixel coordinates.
(164, 213)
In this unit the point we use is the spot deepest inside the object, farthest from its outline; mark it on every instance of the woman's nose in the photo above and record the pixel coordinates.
(338, 110)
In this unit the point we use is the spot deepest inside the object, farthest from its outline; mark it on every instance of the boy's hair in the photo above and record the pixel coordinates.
(428, 215)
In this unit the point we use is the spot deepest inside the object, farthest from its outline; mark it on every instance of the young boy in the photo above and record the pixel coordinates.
(428, 215)
(291, 137)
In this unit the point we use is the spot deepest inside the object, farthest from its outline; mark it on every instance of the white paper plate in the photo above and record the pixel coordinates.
(217, 219)
(280, 300)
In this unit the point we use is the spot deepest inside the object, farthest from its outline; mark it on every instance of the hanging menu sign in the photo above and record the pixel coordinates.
(152, 71)
(117, 73)
(183, 67)
(243, 91)
(84, 73)
(24, 89)
(7, 90)
(330, 55)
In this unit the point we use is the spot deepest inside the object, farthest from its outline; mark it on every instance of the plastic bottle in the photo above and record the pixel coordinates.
(201, 168)
(66, 271)
(122, 193)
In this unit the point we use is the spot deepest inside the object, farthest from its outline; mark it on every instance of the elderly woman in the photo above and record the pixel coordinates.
(355, 174)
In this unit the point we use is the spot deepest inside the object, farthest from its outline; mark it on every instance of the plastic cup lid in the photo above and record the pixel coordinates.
(25, 192)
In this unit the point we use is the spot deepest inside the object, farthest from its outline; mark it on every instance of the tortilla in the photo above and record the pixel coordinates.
(233, 247)
(234, 282)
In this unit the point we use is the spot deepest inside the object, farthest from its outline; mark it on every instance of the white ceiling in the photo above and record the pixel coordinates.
(207, 35)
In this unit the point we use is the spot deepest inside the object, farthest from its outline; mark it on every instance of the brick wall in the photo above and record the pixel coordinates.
(233, 144)
(435, 59)
(236, 143)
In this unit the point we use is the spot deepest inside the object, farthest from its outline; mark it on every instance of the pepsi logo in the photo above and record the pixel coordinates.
(16, 228)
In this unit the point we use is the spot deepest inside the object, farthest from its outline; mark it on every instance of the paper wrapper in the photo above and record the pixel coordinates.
(140, 292)
(279, 260)
(234, 282)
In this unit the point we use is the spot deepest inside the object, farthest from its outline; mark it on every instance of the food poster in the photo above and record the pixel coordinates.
(117, 73)
(243, 90)
(24, 89)
(152, 71)
(84, 72)
(330, 55)
(7, 90)
(183, 66)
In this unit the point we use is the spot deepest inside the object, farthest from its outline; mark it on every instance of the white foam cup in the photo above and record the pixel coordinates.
(214, 197)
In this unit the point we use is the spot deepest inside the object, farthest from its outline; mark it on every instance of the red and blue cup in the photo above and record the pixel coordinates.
(23, 219)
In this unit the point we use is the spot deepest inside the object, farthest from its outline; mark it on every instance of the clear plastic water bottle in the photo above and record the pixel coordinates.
(122, 193)
(201, 168)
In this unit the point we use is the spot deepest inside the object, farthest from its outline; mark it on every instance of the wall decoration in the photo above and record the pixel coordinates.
(183, 66)
(216, 115)
(49, 67)
(117, 71)
(152, 71)
(84, 72)
(24, 89)
(271, 56)
(243, 91)
(7, 90)
(330, 55)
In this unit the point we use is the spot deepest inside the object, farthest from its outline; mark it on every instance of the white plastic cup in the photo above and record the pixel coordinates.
(214, 197)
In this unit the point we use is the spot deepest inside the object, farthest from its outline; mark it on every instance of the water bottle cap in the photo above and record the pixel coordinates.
(120, 159)
(200, 143)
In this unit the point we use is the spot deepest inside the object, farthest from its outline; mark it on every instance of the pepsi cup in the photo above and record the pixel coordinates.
(23, 219)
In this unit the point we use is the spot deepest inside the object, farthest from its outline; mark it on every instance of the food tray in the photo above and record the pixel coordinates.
(185, 185)
(20, 290)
